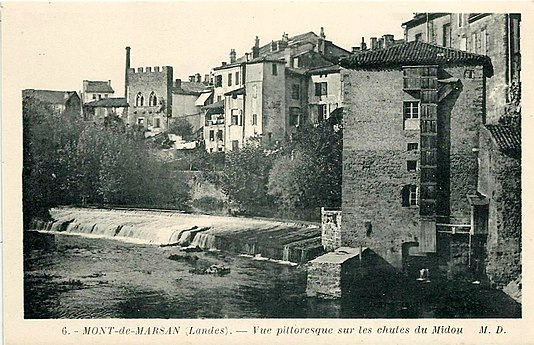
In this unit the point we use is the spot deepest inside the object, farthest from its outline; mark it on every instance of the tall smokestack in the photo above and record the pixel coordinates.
(126, 73)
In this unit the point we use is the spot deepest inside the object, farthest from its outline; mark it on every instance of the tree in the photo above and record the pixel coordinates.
(183, 128)
(308, 174)
(244, 180)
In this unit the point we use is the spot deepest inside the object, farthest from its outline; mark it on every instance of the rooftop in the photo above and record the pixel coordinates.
(98, 86)
(49, 96)
(112, 102)
(190, 88)
(412, 53)
(508, 138)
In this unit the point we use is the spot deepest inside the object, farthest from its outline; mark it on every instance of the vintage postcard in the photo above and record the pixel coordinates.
(266, 172)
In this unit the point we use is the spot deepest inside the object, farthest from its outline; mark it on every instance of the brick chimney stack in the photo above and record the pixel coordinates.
(363, 45)
(388, 40)
(373, 43)
(232, 55)
(256, 48)
(127, 67)
(320, 41)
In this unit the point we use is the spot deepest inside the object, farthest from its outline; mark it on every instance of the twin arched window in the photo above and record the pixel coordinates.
(153, 99)
(139, 100)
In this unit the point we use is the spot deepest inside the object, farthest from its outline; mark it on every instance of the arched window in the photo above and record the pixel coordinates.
(153, 99)
(139, 100)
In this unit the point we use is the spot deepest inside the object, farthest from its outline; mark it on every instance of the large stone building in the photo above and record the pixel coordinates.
(494, 35)
(413, 113)
(265, 93)
(149, 96)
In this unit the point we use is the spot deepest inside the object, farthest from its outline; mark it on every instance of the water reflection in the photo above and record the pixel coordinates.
(76, 277)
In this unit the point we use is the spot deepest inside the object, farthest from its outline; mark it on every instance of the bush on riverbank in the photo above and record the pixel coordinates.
(68, 161)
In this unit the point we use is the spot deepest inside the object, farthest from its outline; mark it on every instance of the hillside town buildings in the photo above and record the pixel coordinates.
(431, 141)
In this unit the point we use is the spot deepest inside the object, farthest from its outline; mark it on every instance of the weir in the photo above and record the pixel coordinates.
(274, 239)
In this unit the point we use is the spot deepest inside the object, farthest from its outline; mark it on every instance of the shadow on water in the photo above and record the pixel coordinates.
(74, 277)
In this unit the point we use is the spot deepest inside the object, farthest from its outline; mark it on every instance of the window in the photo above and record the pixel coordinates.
(255, 91)
(275, 69)
(220, 134)
(322, 112)
(295, 62)
(411, 110)
(211, 149)
(141, 121)
(411, 165)
(483, 42)
(212, 135)
(474, 41)
(219, 98)
(99, 96)
(220, 149)
(321, 89)
(419, 37)
(152, 99)
(235, 144)
(463, 43)
(139, 100)
(447, 35)
(294, 116)
(229, 79)
(106, 96)
(413, 146)
(157, 122)
(94, 96)
(218, 81)
(411, 115)
(235, 117)
(295, 91)
(237, 78)
(410, 196)
(460, 20)
(254, 119)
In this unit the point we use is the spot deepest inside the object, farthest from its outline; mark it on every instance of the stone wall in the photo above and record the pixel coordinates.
(145, 81)
(375, 157)
(330, 229)
(501, 183)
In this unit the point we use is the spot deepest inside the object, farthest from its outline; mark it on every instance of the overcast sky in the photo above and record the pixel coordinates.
(58, 45)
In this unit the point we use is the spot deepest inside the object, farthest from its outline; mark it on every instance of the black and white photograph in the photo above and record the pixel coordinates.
(266, 160)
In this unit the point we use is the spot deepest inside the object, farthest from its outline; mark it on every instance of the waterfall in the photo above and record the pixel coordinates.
(270, 238)
(205, 241)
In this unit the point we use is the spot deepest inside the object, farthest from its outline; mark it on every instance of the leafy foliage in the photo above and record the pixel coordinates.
(67, 161)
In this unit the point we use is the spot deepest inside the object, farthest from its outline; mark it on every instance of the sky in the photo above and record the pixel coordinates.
(58, 45)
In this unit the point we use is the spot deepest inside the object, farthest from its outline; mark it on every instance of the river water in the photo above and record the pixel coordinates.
(69, 276)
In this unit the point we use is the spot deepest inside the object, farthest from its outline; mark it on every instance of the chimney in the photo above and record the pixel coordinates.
(192, 78)
(232, 55)
(274, 46)
(256, 48)
(380, 43)
(247, 56)
(355, 50)
(127, 67)
(198, 78)
(320, 42)
(178, 83)
(363, 45)
(223, 63)
(283, 43)
(373, 43)
(388, 40)
(206, 78)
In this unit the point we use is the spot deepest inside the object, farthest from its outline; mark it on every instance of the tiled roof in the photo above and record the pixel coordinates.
(49, 96)
(98, 86)
(325, 69)
(508, 138)
(412, 53)
(190, 88)
(113, 102)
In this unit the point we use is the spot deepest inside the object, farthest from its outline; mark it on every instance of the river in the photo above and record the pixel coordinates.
(71, 276)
